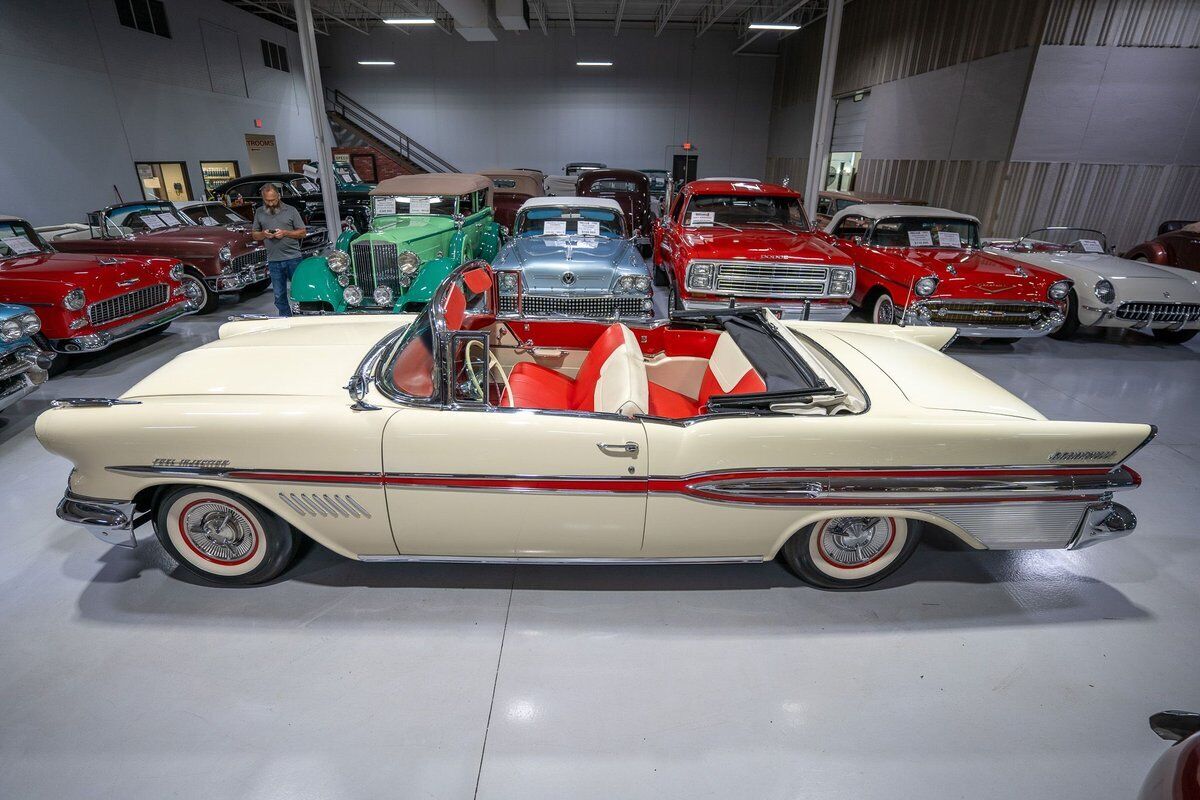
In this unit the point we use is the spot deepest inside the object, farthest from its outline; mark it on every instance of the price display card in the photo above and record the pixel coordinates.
(554, 227)
(152, 221)
(19, 245)
(588, 227)
(700, 219)
(1091, 246)
(949, 239)
(920, 239)
(385, 205)
(418, 205)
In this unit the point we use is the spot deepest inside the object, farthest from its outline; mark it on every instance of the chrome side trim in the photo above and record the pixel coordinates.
(92, 402)
(559, 560)
(1015, 526)
(111, 521)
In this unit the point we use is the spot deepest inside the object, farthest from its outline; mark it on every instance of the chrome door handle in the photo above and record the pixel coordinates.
(628, 448)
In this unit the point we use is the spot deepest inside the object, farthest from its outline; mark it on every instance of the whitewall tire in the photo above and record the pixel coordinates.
(222, 537)
(883, 310)
(851, 552)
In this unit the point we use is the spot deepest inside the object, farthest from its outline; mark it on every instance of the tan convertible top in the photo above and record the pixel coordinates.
(525, 181)
(433, 183)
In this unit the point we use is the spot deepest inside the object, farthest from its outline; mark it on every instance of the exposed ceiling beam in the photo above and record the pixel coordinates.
(328, 14)
(540, 12)
(620, 13)
(571, 15)
(712, 12)
(376, 15)
(780, 17)
(663, 16)
(276, 12)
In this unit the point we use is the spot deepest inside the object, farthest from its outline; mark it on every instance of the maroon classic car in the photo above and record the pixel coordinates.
(217, 259)
(1177, 245)
(1176, 774)
(88, 302)
(631, 190)
(510, 189)
(733, 240)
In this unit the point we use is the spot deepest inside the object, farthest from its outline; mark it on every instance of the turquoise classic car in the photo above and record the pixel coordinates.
(24, 364)
(422, 228)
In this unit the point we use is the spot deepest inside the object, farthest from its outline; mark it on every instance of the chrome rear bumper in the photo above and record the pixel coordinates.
(1102, 522)
(111, 521)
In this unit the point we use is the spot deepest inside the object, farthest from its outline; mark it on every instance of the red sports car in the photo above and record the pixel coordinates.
(88, 302)
(1177, 245)
(923, 265)
(734, 240)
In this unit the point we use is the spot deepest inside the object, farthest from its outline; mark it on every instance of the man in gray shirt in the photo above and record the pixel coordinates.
(282, 229)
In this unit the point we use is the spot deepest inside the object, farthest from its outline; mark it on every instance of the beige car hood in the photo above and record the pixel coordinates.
(272, 357)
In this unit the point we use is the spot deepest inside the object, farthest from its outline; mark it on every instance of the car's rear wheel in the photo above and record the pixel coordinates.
(1071, 324)
(1173, 337)
(851, 552)
(223, 538)
(883, 310)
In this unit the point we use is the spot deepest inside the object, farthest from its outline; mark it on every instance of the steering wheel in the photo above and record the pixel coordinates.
(494, 368)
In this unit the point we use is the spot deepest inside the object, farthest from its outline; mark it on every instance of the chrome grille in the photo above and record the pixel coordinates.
(313, 240)
(1159, 312)
(772, 280)
(375, 264)
(248, 260)
(965, 312)
(594, 307)
(126, 305)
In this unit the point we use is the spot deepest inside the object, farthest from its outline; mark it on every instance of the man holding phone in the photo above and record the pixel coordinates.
(282, 229)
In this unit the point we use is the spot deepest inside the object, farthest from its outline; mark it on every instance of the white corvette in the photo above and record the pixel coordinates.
(454, 435)
(1111, 292)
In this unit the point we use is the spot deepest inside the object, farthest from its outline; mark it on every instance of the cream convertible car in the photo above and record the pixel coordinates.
(454, 436)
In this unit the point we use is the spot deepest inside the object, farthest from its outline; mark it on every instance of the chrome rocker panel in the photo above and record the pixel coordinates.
(101, 340)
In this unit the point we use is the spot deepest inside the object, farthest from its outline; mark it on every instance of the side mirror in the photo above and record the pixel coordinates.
(357, 386)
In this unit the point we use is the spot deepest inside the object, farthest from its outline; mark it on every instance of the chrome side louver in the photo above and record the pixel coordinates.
(324, 505)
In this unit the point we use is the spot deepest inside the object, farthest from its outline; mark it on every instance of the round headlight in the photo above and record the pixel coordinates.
(352, 295)
(926, 286)
(177, 272)
(74, 300)
(338, 261)
(408, 261)
(1059, 290)
(10, 330)
(1105, 292)
(382, 296)
(343, 280)
(508, 282)
(30, 324)
(625, 283)
(642, 284)
(225, 253)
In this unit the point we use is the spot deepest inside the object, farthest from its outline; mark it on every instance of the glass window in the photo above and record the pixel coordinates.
(146, 217)
(824, 206)
(852, 225)
(534, 221)
(894, 231)
(610, 185)
(149, 16)
(18, 238)
(748, 209)
(274, 56)
(408, 369)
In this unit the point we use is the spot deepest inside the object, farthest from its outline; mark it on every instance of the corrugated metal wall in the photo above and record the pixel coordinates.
(1124, 23)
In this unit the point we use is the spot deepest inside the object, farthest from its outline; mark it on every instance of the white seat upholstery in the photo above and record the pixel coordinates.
(622, 387)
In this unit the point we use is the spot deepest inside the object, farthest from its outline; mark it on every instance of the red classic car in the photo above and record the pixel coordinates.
(510, 189)
(217, 259)
(88, 302)
(1176, 773)
(923, 265)
(631, 190)
(733, 240)
(1177, 245)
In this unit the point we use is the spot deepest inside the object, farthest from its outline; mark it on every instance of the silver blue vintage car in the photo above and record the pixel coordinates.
(572, 257)
(24, 365)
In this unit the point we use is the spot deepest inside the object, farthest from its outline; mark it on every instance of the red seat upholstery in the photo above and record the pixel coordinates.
(612, 379)
(728, 372)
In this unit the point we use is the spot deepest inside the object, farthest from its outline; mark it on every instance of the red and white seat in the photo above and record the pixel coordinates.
(728, 372)
(611, 379)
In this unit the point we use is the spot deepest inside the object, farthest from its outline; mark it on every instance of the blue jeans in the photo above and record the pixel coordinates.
(281, 273)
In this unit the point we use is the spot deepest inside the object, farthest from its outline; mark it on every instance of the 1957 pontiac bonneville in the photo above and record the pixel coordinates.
(722, 436)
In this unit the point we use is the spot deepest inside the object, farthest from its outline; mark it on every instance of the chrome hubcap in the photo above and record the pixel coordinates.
(885, 312)
(855, 541)
(219, 531)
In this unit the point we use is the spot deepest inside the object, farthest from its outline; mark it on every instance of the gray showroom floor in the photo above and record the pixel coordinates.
(981, 675)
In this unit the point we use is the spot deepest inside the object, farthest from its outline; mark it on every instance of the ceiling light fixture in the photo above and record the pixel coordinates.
(411, 21)
(593, 63)
(773, 26)
(378, 63)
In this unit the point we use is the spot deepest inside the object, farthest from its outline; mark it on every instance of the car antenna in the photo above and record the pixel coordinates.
(904, 311)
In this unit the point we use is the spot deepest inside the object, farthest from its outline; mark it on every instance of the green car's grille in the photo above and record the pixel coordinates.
(375, 264)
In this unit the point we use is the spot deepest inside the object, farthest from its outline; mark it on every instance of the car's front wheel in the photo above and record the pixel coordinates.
(207, 298)
(223, 538)
(1071, 324)
(883, 310)
(851, 552)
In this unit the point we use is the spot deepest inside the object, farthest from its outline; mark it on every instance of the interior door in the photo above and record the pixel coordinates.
(494, 483)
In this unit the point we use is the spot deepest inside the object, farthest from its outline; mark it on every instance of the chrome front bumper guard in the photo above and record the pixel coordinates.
(913, 316)
(236, 281)
(30, 367)
(1103, 522)
(111, 521)
(818, 310)
(100, 340)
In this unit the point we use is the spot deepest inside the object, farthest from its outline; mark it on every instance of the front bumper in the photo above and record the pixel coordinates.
(22, 371)
(817, 310)
(1144, 316)
(236, 281)
(923, 312)
(1103, 522)
(100, 340)
(111, 521)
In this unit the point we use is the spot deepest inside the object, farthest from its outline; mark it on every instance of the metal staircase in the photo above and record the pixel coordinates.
(350, 119)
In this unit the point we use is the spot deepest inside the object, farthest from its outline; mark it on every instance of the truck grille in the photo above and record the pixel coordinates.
(128, 304)
(248, 260)
(375, 264)
(590, 307)
(1159, 312)
(964, 312)
(772, 280)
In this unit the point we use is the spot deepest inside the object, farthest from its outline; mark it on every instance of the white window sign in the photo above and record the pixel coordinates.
(554, 227)
(19, 245)
(152, 221)
(419, 205)
(208, 221)
(920, 239)
(168, 220)
(701, 218)
(949, 239)
(1091, 246)
(587, 227)
(309, 186)
(385, 205)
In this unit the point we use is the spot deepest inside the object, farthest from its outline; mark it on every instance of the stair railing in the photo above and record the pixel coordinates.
(359, 115)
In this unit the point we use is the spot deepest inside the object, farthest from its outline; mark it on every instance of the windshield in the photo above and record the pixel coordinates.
(415, 204)
(304, 186)
(19, 238)
(564, 220)
(1066, 240)
(140, 217)
(925, 232)
(744, 209)
(345, 173)
(213, 214)
(407, 366)
(577, 169)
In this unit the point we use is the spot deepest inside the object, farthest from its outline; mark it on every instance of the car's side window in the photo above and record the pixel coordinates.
(466, 205)
(851, 225)
(824, 205)
(676, 207)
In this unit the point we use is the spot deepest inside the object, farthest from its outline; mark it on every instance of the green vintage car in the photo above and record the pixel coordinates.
(422, 227)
